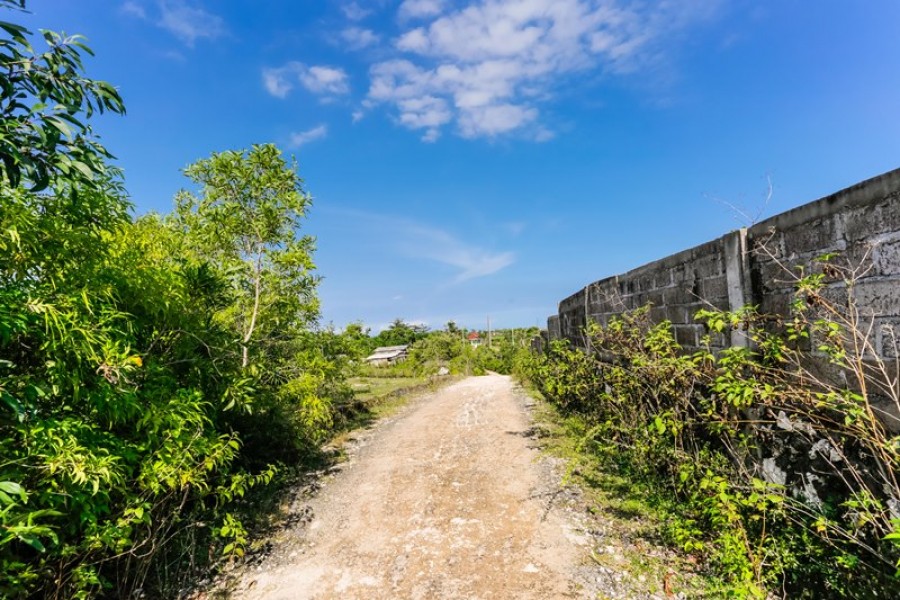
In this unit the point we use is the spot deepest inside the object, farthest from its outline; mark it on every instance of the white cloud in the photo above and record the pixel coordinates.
(494, 119)
(484, 66)
(324, 80)
(321, 80)
(186, 20)
(427, 111)
(189, 22)
(134, 9)
(419, 9)
(543, 135)
(310, 135)
(414, 41)
(431, 136)
(355, 12)
(357, 37)
(276, 83)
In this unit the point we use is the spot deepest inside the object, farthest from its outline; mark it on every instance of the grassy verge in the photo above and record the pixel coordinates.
(627, 522)
(380, 395)
(375, 389)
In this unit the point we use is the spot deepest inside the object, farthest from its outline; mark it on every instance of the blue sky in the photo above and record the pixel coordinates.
(489, 157)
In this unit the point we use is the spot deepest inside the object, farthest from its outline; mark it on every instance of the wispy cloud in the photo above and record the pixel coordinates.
(134, 9)
(486, 65)
(320, 80)
(187, 21)
(418, 9)
(310, 135)
(355, 12)
(420, 241)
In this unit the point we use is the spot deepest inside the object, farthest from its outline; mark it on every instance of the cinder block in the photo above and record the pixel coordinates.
(647, 281)
(605, 297)
(663, 278)
(678, 315)
(857, 256)
(659, 314)
(691, 310)
(867, 221)
(678, 294)
(655, 297)
(679, 273)
(886, 259)
(766, 245)
(714, 288)
(777, 304)
(709, 266)
(626, 287)
(776, 277)
(878, 298)
(889, 338)
(718, 341)
(814, 237)
(688, 336)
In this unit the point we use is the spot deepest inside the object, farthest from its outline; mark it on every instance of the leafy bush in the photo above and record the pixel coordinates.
(693, 431)
(153, 371)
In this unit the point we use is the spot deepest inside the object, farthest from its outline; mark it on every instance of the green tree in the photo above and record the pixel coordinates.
(401, 333)
(246, 220)
(132, 351)
(358, 340)
(44, 102)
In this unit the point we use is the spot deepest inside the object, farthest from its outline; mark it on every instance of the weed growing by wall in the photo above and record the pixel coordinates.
(777, 459)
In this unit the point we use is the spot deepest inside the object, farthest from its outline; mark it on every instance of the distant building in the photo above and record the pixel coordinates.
(474, 339)
(387, 355)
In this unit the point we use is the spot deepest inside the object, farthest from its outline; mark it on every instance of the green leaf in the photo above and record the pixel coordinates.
(13, 488)
(32, 540)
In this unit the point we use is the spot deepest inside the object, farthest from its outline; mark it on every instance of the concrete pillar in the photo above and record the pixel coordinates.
(737, 276)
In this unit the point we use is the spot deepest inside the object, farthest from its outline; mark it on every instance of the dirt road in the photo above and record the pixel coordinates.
(447, 500)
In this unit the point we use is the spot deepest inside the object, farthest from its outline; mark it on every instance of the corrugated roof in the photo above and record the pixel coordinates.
(391, 348)
(387, 353)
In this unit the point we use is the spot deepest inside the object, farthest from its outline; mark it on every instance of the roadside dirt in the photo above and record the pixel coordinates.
(448, 499)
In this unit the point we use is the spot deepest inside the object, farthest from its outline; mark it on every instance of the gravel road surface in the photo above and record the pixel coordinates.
(447, 500)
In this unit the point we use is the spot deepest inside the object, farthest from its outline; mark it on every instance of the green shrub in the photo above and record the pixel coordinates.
(690, 430)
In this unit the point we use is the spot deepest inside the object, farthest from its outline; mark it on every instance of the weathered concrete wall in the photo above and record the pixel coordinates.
(760, 266)
(755, 266)
(862, 226)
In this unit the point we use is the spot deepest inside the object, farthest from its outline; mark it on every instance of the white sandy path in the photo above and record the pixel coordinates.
(446, 501)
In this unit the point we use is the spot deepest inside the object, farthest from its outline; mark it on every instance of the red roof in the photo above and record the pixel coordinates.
(474, 336)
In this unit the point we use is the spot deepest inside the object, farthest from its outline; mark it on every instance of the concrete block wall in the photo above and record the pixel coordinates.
(756, 266)
(861, 225)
